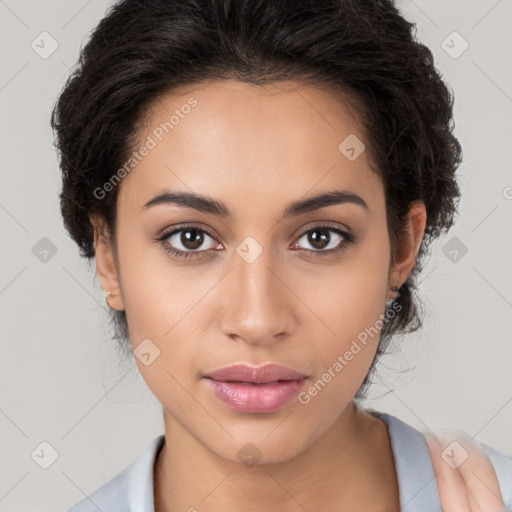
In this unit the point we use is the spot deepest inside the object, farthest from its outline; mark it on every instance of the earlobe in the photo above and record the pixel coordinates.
(106, 267)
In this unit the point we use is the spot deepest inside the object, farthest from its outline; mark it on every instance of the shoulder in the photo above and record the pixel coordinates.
(131, 489)
(415, 473)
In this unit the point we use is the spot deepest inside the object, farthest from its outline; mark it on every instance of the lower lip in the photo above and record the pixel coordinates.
(256, 398)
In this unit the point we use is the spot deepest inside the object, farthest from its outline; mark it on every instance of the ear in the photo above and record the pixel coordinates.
(106, 266)
(409, 245)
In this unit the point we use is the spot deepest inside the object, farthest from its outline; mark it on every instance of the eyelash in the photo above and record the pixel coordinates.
(348, 239)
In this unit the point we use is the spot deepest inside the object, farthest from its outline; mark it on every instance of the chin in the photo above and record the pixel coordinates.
(258, 448)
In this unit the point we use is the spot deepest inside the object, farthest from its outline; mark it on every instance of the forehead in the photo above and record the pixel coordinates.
(233, 140)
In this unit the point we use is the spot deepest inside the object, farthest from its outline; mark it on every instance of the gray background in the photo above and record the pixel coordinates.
(61, 379)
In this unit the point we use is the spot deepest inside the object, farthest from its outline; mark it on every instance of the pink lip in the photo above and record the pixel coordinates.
(256, 374)
(252, 389)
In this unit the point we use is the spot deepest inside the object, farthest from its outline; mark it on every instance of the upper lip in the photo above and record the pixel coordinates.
(256, 374)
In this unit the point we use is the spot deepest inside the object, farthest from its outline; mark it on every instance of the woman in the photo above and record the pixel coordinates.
(259, 182)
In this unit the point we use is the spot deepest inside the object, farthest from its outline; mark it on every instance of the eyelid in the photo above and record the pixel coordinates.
(345, 234)
(325, 224)
(167, 232)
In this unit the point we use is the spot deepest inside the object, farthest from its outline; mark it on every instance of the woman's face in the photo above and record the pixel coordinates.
(263, 282)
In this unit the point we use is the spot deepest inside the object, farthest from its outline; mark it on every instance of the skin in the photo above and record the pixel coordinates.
(472, 485)
(257, 149)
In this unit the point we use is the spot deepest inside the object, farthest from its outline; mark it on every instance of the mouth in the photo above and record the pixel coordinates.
(255, 390)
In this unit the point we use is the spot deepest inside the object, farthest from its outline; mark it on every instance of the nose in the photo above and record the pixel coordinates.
(258, 308)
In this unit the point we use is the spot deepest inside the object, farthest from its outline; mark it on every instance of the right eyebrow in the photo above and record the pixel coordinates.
(189, 200)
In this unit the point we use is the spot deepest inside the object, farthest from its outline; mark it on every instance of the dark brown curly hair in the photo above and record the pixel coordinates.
(363, 50)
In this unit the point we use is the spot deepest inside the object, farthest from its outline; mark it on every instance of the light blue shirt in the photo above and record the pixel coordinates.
(132, 489)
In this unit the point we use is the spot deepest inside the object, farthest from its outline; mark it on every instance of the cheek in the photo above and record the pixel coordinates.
(350, 296)
(345, 353)
(155, 292)
(165, 307)
(349, 302)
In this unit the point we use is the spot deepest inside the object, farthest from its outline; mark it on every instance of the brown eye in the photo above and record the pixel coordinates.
(191, 238)
(319, 238)
(187, 241)
(324, 239)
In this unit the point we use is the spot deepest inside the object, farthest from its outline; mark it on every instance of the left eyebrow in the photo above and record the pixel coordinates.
(209, 205)
(323, 200)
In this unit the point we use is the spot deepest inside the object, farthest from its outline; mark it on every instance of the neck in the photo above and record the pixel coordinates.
(347, 468)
